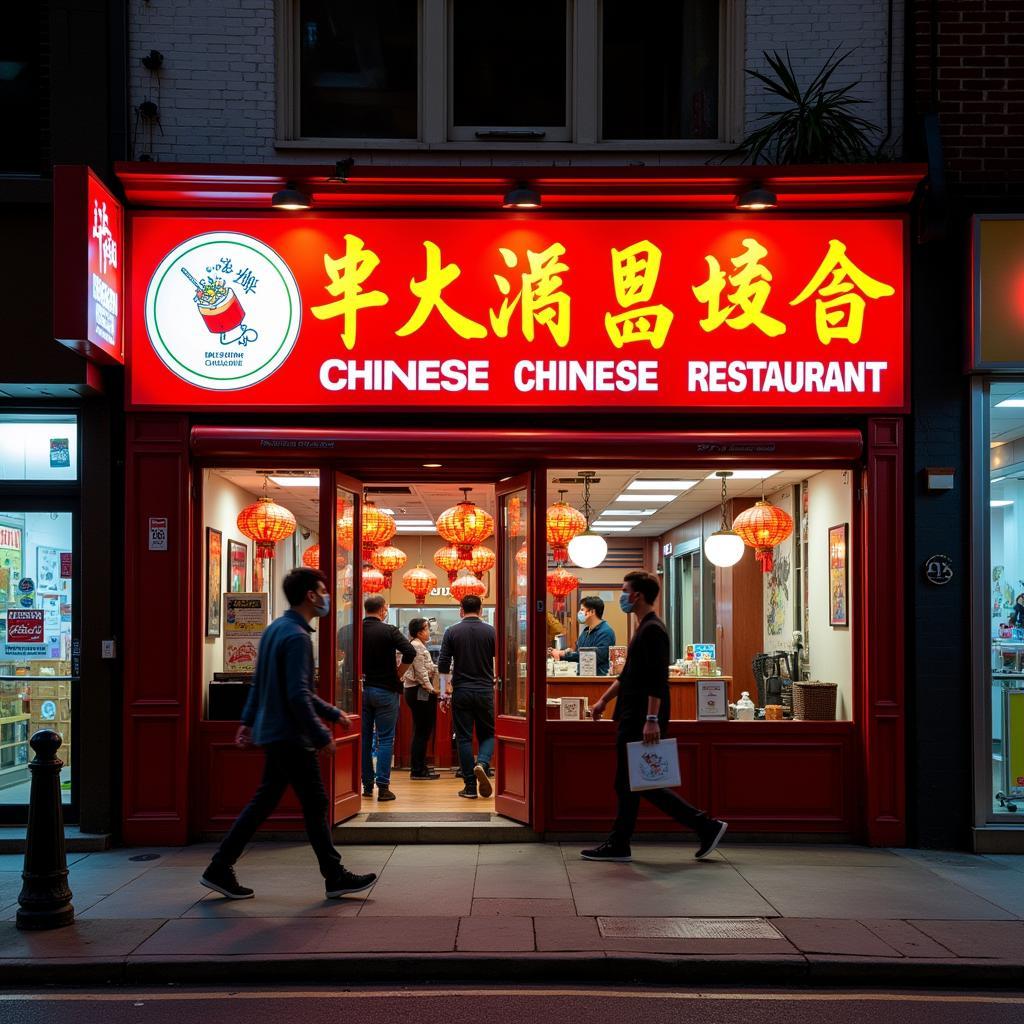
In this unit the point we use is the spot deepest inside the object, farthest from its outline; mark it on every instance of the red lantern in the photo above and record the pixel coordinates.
(515, 516)
(265, 522)
(563, 523)
(467, 584)
(482, 560)
(465, 525)
(388, 559)
(373, 580)
(521, 557)
(419, 582)
(762, 527)
(561, 583)
(448, 559)
(311, 556)
(378, 528)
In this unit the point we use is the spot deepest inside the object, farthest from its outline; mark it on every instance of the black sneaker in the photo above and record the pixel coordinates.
(610, 851)
(368, 790)
(710, 838)
(486, 789)
(221, 878)
(344, 883)
(467, 793)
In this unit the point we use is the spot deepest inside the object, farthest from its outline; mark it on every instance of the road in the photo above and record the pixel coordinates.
(513, 1005)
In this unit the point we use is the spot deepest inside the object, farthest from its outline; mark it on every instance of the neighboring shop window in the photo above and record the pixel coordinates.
(36, 550)
(38, 448)
(1006, 595)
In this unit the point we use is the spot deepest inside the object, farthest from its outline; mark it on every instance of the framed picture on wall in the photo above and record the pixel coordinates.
(838, 576)
(213, 581)
(47, 568)
(238, 566)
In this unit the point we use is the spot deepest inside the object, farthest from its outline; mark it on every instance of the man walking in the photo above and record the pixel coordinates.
(471, 643)
(383, 644)
(642, 713)
(283, 716)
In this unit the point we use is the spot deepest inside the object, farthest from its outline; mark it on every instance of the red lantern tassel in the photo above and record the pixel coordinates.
(764, 556)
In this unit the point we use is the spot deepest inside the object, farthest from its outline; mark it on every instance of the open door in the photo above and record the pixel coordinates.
(340, 530)
(512, 711)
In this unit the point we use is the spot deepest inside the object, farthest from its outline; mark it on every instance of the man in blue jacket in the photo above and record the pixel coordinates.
(285, 717)
(595, 633)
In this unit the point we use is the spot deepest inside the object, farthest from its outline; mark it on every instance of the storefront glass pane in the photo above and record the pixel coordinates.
(345, 616)
(38, 448)
(36, 566)
(515, 518)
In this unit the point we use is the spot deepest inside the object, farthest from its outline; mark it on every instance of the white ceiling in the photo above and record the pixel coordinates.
(1005, 424)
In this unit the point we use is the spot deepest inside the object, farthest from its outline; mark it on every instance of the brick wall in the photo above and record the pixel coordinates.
(216, 92)
(975, 82)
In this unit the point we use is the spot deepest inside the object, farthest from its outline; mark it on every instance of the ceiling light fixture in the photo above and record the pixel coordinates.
(588, 549)
(628, 512)
(295, 481)
(756, 199)
(431, 465)
(618, 522)
(724, 547)
(746, 474)
(522, 197)
(1011, 403)
(1000, 504)
(661, 485)
(645, 497)
(290, 198)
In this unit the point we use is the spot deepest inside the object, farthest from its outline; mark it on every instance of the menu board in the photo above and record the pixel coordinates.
(245, 619)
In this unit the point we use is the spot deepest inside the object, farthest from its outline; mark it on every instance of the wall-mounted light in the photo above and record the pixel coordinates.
(290, 198)
(757, 198)
(522, 197)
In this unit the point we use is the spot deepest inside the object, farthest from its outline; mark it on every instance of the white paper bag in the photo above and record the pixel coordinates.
(653, 765)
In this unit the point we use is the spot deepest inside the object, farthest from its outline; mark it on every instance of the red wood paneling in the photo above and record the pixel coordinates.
(230, 777)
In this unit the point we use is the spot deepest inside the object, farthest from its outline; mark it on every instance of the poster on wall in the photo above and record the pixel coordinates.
(778, 584)
(10, 563)
(838, 576)
(47, 568)
(213, 581)
(245, 619)
(238, 566)
(26, 633)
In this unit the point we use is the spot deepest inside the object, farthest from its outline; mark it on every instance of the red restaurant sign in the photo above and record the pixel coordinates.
(716, 312)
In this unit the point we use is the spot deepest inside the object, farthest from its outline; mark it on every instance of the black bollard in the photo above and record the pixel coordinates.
(45, 900)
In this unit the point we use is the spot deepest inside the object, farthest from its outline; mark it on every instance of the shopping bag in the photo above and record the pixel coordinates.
(653, 765)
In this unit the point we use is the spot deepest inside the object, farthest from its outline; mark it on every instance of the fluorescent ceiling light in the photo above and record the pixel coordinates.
(1011, 403)
(661, 485)
(612, 529)
(386, 511)
(416, 529)
(746, 474)
(296, 481)
(618, 522)
(628, 512)
(414, 522)
(645, 497)
(1000, 504)
(999, 479)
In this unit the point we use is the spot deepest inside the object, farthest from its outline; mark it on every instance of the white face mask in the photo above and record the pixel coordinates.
(581, 616)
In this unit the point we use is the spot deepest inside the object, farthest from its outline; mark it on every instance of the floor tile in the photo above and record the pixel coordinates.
(523, 908)
(907, 940)
(495, 935)
(81, 939)
(845, 938)
(1000, 940)
(999, 885)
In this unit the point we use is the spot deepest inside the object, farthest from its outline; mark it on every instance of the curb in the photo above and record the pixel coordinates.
(532, 968)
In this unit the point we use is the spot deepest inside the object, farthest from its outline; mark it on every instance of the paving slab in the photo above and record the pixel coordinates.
(845, 938)
(907, 940)
(998, 940)
(235, 937)
(411, 935)
(100, 939)
(565, 934)
(1015, 861)
(495, 935)
(821, 856)
(1001, 886)
(524, 908)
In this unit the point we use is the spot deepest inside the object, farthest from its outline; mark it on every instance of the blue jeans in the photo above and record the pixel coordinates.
(380, 712)
(473, 709)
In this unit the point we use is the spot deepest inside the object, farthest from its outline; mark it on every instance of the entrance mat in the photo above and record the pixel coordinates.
(427, 816)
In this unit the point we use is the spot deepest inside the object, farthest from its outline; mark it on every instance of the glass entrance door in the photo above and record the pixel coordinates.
(512, 721)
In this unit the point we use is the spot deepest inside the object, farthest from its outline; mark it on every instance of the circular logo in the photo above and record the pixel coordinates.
(48, 710)
(223, 311)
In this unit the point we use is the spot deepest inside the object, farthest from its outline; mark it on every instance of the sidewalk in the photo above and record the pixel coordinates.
(766, 915)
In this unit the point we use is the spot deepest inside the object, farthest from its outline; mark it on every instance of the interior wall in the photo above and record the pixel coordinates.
(779, 598)
(830, 648)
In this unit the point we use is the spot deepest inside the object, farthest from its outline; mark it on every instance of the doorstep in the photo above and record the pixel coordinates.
(361, 830)
(998, 838)
(12, 840)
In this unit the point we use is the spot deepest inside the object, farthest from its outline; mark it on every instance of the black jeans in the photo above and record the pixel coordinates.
(473, 709)
(286, 764)
(424, 718)
(666, 800)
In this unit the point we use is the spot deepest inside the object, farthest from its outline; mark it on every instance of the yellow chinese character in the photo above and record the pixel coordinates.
(347, 275)
(752, 284)
(428, 291)
(540, 299)
(838, 311)
(635, 273)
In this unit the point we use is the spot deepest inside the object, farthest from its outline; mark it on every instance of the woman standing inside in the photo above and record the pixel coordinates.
(420, 682)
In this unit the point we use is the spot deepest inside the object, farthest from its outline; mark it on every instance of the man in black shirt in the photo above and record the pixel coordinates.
(642, 713)
(471, 643)
(382, 691)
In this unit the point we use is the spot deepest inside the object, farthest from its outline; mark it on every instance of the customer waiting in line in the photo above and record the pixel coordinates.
(471, 644)
(420, 681)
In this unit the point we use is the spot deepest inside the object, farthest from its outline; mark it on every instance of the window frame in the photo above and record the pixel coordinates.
(583, 89)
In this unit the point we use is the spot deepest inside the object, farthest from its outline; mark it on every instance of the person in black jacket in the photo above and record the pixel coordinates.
(383, 644)
(642, 713)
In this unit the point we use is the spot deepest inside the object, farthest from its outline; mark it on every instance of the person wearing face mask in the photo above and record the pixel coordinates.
(641, 708)
(594, 632)
(285, 717)
(420, 681)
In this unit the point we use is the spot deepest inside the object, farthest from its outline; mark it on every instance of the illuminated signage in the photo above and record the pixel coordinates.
(998, 299)
(327, 312)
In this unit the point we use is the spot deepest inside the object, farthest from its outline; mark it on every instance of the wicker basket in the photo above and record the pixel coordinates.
(814, 701)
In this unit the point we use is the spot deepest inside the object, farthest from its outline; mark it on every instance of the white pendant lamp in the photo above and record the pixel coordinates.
(587, 549)
(724, 547)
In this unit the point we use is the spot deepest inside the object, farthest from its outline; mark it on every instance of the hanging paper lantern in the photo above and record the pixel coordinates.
(561, 583)
(762, 527)
(419, 582)
(480, 561)
(373, 580)
(563, 523)
(388, 559)
(521, 558)
(378, 528)
(265, 522)
(515, 516)
(311, 556)
(465, 525)
(447, 558)
(467, 584)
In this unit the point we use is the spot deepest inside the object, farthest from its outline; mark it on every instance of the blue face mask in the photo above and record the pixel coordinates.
(581, 616)
(625, 604)
(323, 609)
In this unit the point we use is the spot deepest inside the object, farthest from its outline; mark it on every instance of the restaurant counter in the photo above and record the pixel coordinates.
(682, 693)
